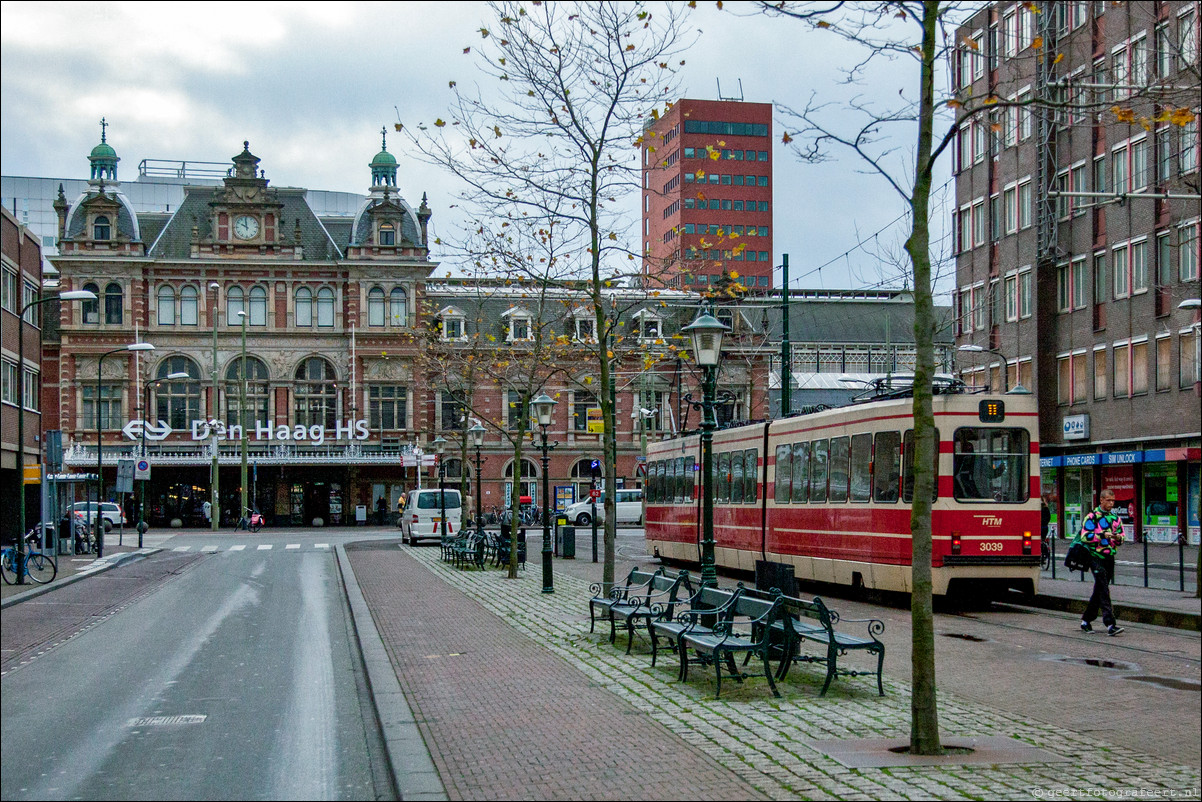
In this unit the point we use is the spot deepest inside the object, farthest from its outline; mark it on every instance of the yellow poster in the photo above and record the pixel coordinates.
(595, 423)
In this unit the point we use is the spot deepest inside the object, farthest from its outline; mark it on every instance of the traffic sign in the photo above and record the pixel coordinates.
(594, 493)
(142, 469)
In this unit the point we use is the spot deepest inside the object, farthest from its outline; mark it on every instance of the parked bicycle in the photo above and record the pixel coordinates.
(251, 520)
(1045, 553)
(39, 566)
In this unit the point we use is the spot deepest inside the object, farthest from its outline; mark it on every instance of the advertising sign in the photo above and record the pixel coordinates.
(595, 424)
(1121, 479)
(565, 496)
(1076, 427)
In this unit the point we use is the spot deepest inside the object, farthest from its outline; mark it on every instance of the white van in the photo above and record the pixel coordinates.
(422, 519)
(630, 509)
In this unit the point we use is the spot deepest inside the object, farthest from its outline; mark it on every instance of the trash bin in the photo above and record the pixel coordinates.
(567, 542)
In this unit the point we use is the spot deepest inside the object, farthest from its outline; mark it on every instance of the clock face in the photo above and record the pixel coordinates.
(246, 227)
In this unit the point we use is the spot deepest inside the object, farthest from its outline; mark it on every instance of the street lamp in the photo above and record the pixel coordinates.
(142, 525)
(214, 504)
(440, 447)
(477, 434)
(707, 332)
(544, 408)
(1193, 305)
(69, 295)
(242, 415)
(99, 522)
(978, 349)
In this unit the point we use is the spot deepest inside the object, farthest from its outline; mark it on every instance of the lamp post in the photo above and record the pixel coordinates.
(99, 522)
(142, 525)
(69, 295)
(1193, 305)
(242, 414)
(477, 434)
(978, 349)
(707, 332)
(544, 408)
(440, 446)
(214, 504)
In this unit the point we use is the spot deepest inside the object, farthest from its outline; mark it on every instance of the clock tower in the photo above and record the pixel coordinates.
(245, 214)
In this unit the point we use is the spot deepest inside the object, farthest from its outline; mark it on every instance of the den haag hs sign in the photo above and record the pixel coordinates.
(315, 435)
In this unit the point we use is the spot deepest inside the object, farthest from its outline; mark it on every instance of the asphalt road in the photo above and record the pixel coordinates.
(238, 679)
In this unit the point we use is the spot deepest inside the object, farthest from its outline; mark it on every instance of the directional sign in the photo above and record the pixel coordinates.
(133, 430)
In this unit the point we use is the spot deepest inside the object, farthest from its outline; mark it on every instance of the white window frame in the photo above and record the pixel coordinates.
(1189, 235)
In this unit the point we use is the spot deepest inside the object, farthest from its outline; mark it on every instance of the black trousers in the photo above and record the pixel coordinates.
(1103, 575)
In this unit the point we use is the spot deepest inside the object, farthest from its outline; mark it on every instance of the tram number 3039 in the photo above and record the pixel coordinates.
(991, 547)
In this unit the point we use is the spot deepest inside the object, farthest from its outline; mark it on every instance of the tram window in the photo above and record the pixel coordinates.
(908, 467)
(784, 474)
(751, 475)
(657, 481)
(840, 450)
(724, 477)
(818, 466)
(736, 478)
(991, 464)
(801, 472)
(861, 467)
(677, 484)
(688, 479)
(886, 467)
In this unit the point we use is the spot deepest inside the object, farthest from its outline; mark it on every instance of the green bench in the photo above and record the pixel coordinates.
(659, 600)
(743, 626)
(707, 601)
(803, 622)
(637, 581)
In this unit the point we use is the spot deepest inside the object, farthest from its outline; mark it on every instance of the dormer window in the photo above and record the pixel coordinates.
(101, 229)
(649, 327)
(521, 328)
(586, 329)
(387, 234)
(451, 322)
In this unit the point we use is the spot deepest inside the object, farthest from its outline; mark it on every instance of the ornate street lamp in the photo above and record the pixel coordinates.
(142, 525)
(707, 332)
(214, 502)
(242, 416)
(69, 295)
(99, 522)
(440, 447)
(544, 408)
(477, 435)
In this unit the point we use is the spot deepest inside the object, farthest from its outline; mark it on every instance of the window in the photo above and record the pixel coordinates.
(520, 326)
(1010, 34)
(258, 306)
(398, 308)
(1099, 174)
(1011, 298)
(1099, 373)
(1139, 267)
(978, 223)
(315, 393)
(91, 308)
(387, 407)
(1122, 370)
(189, 306)
(235, 302)
(723, 462)
(1139, 367)
(1024, 294)
(1164, 51)
(1139, 165)
(101, 229)
(1026, 119)
(452, 410)
(166, 307)
(1164, 349)
(1119, 170)
(1187, 364)
(114, 301)
(109, 407)
(886, 462)
(8, 390)
(33, 390)
(177, 402)
(819, 453)
(1026, 204)
(452, 325)
(861, 467)
(256, 392)
(991, 464)
(1164, 154)
(582, 402)
(908, 448)
(304, 307)
(387, 234)
(737, 485)
(1010, 209)
(325, 307)
(840, 454)
(1187, 40)
(783, 487)
(1187, 252)
(517, 413)
(1122, 286)
(1099, 278)
(1071, 373)
(375, 307)
(586, 329)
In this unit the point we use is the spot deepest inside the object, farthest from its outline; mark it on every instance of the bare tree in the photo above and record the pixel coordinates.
(552, 144)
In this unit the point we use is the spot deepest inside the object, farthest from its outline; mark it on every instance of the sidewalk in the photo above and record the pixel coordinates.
(72, 567)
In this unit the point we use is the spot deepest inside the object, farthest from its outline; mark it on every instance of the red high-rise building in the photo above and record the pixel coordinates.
(707, 195)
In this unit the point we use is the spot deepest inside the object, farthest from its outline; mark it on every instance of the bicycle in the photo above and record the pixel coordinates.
(39, 566)
(251, 523)
(1045, 553)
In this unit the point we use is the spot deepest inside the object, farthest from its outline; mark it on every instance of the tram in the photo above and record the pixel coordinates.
(830, 492)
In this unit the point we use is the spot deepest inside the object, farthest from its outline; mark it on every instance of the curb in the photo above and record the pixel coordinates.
(105, 564)
(414, 775)
(1127, 612)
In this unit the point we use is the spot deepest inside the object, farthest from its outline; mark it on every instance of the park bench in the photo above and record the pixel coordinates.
(745, 628)
(704, 607)
(466, 549)
(805, 621)
(502, 547)
(636, 582)
(658, 601)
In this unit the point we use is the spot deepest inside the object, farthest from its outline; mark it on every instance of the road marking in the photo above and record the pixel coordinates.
(265, 547)
(321, 545)
(292, 546)
(237, 548)
(209, 549)
(162, 721)
(182, 548)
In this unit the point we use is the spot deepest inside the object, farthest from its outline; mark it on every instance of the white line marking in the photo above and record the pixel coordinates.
(209, 549)
(321, 545)
(265, 547)
(182, 548)
(237, 548)
(292, 546)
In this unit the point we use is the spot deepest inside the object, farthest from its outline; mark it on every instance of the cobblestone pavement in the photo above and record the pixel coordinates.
(483, 699)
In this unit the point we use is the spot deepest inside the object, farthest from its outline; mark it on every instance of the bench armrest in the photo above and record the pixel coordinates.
(876, 627)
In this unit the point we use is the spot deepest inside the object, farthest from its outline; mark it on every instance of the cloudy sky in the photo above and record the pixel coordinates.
(311, 84)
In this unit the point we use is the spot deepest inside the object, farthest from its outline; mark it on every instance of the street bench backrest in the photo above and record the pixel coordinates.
(667, 591)
(814, 610)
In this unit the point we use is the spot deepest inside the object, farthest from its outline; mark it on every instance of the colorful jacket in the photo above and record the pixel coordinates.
(1101, 532)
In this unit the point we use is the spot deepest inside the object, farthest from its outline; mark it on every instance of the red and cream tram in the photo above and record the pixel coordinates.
(829, 493)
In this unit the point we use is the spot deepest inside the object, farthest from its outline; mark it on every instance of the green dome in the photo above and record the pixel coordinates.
(103, 151)
(382, 158)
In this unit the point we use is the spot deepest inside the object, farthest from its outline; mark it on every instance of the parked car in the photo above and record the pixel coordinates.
(111, 514)
(630, 509)
(422, 519)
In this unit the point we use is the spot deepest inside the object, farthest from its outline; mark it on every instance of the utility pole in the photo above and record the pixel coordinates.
(786, 349)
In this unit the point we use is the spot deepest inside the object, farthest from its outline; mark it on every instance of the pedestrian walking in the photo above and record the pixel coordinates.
(381, 509)
(400, 507)
(1101, 534)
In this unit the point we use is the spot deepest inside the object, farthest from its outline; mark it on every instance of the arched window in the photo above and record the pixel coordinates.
(375, 307)
(235, 302)
(256, 392)
(177, 402)
(387, 234)
(189, 306)
(398, 308)
(114, 299)
(101, 229)
(455, 469)
(316, 393)
(91, 309)
(528, 485)
(304, 306)
(529, 469)
(325, 307)
(166, 305)
(258, 306)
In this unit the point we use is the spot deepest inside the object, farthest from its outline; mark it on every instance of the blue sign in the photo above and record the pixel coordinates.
(1123, 458)
(1076, 460)
(1051, 462)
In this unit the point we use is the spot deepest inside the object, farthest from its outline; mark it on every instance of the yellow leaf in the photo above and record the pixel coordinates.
(991, 101)
(786, 139)
(970, 44)
(1059, 58)
(439, 123)
(715, 155)
(1037, 42)
(954, 104)
(484, 33)
(823, 24)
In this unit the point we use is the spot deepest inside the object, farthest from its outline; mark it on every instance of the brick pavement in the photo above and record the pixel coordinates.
(509, 688)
